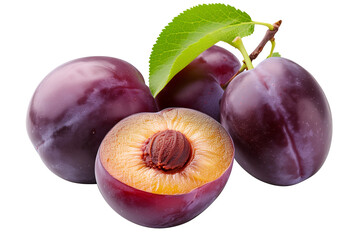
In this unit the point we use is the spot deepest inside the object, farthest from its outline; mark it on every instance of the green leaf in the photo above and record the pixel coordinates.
(276, 54)
(191, 33)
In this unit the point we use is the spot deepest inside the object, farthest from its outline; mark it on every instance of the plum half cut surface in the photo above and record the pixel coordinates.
(280, 121)
(76, 105)
(163, 169)
(198, 85)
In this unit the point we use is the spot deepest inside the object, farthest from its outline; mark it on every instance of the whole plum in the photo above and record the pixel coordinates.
(198, 85)
(220, 62)
(76, 105)
(280, 121)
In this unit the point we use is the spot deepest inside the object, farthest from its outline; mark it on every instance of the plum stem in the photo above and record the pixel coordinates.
(270, 26)
(272, 41)
(269, 36)
(238, 43)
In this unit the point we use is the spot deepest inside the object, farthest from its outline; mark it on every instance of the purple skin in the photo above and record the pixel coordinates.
(193, 88)
(222, 63)
(280, 122)
(156, 210)
(76, 105)
(197, 86)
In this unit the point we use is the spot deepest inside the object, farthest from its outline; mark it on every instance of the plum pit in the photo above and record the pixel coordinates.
(167, 150)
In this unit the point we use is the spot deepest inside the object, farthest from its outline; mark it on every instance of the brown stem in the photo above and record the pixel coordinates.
(269, 36)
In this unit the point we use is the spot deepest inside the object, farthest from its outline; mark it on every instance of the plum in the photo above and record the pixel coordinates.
(280, 121)
(163, 169)
(198, 85)
(220, 62)
(76, 105)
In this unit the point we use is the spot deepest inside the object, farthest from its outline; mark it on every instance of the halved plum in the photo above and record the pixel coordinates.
(163, 169)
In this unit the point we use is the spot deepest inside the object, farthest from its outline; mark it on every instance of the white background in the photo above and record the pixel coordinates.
(37, 36)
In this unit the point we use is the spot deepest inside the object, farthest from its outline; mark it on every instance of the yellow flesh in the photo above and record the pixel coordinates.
(120, 152)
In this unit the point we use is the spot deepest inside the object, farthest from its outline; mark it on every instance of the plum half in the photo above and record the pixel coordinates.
(76, 105)
(280, 121)
(163, 169)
